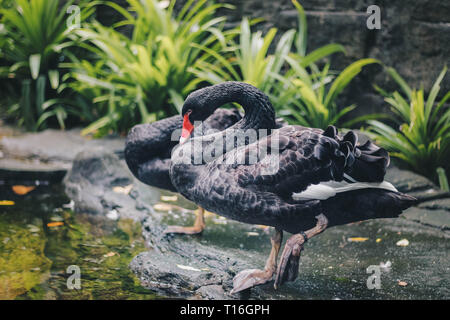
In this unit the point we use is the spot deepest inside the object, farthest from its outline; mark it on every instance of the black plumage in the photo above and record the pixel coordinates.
(148, 147)
(289, 160)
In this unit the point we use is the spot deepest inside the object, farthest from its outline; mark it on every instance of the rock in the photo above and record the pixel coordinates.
(90, 184)
(414, 184)
(46, 155)
(55, 145)
(443, 204)
(435, 218)
(15, 171)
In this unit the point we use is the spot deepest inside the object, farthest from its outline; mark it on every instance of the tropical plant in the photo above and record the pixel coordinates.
(145, 76)
(289, 76)
(309, 98)
(420, 139)
(36, 35)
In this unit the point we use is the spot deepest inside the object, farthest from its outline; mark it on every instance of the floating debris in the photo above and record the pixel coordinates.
(402, 283)
(357, 239)
(169, 198)
(188, 268)
(378, 240)
(55, 224)
(22, 190)
(403, 243)
(123, 190)
(7, 203)
(252, 234)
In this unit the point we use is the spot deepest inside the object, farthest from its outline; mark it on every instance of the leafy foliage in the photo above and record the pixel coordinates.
(289, 76)
(37, 36)
(145, 76)
(420, 140)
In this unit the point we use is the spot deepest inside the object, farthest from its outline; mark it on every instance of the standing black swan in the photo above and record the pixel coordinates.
(322, 179)
(148, 148)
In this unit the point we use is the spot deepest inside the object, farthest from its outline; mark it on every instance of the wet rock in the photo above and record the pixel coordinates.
(91, 183)
(443, 204)
(15, 171)
(55, 145)
(434, 218)
(47, 155)
(414, 184)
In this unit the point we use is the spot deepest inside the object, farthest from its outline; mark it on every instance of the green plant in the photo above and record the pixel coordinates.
(145, 76)
(309, 98)
(289, 76)
(36, 36)
(305, 94)
(420, 139)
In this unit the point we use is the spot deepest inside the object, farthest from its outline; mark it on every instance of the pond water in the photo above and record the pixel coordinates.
(40, 238)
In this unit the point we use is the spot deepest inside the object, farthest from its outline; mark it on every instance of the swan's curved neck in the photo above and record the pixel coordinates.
(259, 112)
(186, 169)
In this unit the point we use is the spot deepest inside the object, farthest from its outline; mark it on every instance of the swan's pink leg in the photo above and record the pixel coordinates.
(253, 277)
(289, 261)
(198, 227)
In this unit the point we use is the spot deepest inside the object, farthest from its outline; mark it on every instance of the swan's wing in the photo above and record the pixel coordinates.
(299, 157)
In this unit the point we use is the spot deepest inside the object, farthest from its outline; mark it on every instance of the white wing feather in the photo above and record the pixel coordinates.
(326, 190)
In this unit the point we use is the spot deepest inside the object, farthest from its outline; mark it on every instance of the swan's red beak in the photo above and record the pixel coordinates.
(187, 128)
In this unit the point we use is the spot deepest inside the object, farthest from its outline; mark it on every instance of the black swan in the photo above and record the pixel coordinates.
(148, 148)
(318, 180)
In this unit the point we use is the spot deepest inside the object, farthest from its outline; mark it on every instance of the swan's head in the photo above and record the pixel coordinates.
(198, 106)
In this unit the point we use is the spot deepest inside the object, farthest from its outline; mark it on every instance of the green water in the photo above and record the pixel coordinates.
(40, 237)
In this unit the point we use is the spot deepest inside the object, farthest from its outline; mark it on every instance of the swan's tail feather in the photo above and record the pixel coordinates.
(363, 163)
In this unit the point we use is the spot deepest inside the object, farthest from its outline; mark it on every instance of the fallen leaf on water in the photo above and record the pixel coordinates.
(124, 190)
(187, 268)
(22, 190)
(55, 224)
(378, 240)
(402, 283)
(402, 243)
(169, 198)
(6, 203)
(357, 239)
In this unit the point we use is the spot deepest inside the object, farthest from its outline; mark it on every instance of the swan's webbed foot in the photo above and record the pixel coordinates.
(253, 277)
(197, 228)
(290, 258)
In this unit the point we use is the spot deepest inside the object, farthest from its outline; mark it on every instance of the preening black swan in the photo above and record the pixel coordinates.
(148, 148)
(303, 180)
